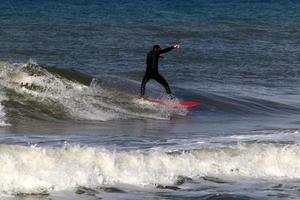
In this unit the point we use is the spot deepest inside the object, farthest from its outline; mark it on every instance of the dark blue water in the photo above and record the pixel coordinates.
(71, 127)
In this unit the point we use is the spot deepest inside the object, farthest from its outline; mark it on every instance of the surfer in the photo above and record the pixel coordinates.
(152, 68)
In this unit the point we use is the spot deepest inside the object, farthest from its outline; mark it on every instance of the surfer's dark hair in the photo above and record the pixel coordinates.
(156, 47)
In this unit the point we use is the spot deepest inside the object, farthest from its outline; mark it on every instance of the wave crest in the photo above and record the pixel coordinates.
(35, 169)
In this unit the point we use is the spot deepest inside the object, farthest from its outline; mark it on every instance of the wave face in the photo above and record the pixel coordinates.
(60, 93)
(43, 169)
(43, 92)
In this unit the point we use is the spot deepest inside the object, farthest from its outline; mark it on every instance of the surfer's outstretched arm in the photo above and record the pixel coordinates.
(166, 49)
(176, 46)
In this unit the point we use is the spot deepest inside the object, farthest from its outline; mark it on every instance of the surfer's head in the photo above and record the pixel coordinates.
(156, 47)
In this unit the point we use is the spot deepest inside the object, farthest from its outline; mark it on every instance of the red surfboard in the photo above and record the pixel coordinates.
(174, 104)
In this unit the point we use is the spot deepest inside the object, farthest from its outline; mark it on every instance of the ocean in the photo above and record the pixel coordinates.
(71, 70)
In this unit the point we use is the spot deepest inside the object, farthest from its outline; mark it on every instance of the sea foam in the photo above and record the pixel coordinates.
(32, 169)
(3, 120)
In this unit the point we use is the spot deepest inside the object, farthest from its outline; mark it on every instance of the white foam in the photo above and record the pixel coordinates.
(170, 107)
(271, 136)
(43, 169)
(2, 111)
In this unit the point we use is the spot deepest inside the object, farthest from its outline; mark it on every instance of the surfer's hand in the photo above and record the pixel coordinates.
(176, 46)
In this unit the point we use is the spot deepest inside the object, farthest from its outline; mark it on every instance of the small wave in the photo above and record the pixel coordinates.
(64, 93)
(38, 91)
(244, 105)
(265, 136)
(43, 169)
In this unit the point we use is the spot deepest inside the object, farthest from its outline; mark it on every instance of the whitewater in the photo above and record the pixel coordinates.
(36, 169)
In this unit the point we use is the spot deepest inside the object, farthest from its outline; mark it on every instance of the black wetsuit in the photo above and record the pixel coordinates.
(152, 69)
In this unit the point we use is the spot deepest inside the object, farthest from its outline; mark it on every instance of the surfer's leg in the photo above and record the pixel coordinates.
(163, 81)
(145, 80)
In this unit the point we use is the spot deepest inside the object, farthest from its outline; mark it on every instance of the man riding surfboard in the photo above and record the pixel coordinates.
(152, 68)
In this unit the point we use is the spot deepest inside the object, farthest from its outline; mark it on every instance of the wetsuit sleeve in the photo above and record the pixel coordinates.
(166, 50)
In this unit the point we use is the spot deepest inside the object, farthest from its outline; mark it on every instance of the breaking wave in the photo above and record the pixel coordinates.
(33, 169)
(62, 93)
(39, 91)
